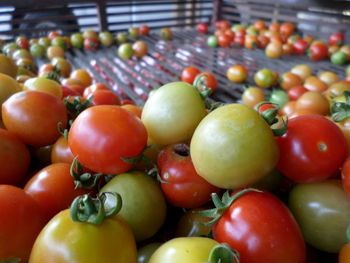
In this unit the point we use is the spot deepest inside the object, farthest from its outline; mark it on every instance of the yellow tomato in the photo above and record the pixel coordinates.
(8, 86)
(44, 85)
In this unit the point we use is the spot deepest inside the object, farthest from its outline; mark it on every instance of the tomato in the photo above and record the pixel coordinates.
(53, 34)
(274, 27)
(313, 101)
(140, 48)
(133, 109)
(212, 41)
(94, 87)
(339, 58)
(89, 33)
(102, 135)
(144, 30)
(302, 70)
(209, 80)
(104, 97)
(83, 76)
(59, 42)
(345, 176)
(77, 40)
(274, 50)
(252, 96)
(122, 37)
(312, 149)
(143, 207)
(344, 254)
(313, 83)
(202, 28)
(191, 224)
(189, 74)
(54, 51)
(8, 87)
(264, 78)
(21, 220)
(224, 40)
(289, 80)
(62, 66)
(300, 46)
(239, 41)
(279, 97)
(237, 73)
(106, 38)
(318, 51)
(45, 185)
(250, 137)
(328, 77)
(134, 32)
(172, 113)
(22, 42)
(7, 66)
(259, 24)
(125, 51)
(43, 84)
(287, 29)
(14, 158)
(37, 50)
(323, 218)
(60, 152)
(222, 24)
(44, 41)
(263, 41)
(336, 38)
(166, 34)
(34, 116)
(180, 183)
(259, 226)
(295, 92)
(184, 250)
(68, 241)
(251, 41)
(91, 44)
(287, 49)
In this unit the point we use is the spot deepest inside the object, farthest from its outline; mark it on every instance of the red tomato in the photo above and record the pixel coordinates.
(312, 149)
(295, 92)
(239, 40)
(102, 135)
(21, 220)
(14, 158)
(299, 47)
(262, 229)
(144, 30)
(202, 28)
(91, 44)
(345, 176)
(181, 184)
(67, 91)
(224, 40)
(209, 80)
(189, 74)
(22, 42)
(104, 97)
(318, 51)
(222, 24)
(53, 188)
(33, 116)
(60, 152)
(92, 88)
(287, 29)
(336, 38)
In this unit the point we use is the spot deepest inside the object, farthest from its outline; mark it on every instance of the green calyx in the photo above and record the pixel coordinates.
(340, 111)
(223, 253)
(201, 86)
(91, 210)
(81, 178)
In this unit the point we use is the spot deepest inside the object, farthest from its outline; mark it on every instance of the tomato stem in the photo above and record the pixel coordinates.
(200, 85)
(223, 253)
(83, 179)
(86, 209)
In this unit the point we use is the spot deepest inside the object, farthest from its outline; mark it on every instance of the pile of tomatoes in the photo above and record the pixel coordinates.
(87, 176)
(278, 39)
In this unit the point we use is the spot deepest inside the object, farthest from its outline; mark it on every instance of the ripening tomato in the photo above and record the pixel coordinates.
(21, 220)
(313, 83)
(259, 226)
(336, 38)
(237, 73)
(289, 80)
(328, 77)
(287, 29)
(295, 92)
(202, 28)
(318, 51)
(189, 74)
(225, 160)
(144, 30)
(312, 149)
(83, 76)
(300, 46)
(44, 85)
(62, 66)
(313, 101)
(180, 183)
(101, 136)
(34, 117)
(252, 96)
(140, 48)
(104, 97)
(209, 80)
(265, 78)
(302, 70)
(8, 86)
(66, 241)
(53, 188)
(60, 151)
(274, 49)
(224, 40)
(54, 51)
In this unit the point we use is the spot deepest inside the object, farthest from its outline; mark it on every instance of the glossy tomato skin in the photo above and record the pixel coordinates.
(336, 38)
(102, 135)
(312, 149)
(202, 28)
(299, 47)
(14, 158)
(345, 176)
(21, 220)
(60, 152)
(259, 226)
(318, 51)
(33, 116)
(189, 74)
(104, 97)
(181, 184)
(53, 188)
(66, 241)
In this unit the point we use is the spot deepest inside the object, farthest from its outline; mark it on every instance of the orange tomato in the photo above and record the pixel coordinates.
(252, 96)
(274, 50)
(313, 101)
(289, 80)
(83, 76)
(313, 83)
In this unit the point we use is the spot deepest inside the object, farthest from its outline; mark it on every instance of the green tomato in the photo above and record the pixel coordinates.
(172, 113)
(322, 211)
(279, 97)
(339, 58)
(144, 205)
(347, 71)
(134, 32)
(184, 250)
(9, 48)
(233, 147)
(106, 38)
(125, 51)
(59, 42)
(77, 40)
(264, 78)
(191, 224)
(212, 41)
(251, 30)
(44, 41)
(21, 53)
(37, 50)
(166, 34)
(144, 253)
(122, 37)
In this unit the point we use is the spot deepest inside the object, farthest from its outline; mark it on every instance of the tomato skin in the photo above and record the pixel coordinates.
(101, 135)
(60, 151)
(202, 28)
(259, 226)
(318, 51)
(209, 80)
(345, 176)
(299, 47)
(189, 74)
(224, 40)
(33, 116)
(21, 220)
(312, 149)
(67, 241)
(182, 186)
(144, 30)
(344, 254)
(104, 97)
(295, 92)
(14, 158)
(45, 185)
(237, 73)
(337, 38)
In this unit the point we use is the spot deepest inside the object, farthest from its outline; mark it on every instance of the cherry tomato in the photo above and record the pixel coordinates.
(202, 28)
(313, 101)
(237, 73)
(263, 41)
(313, 83)
(102, 135)
(328, 77)
(182, 186)
(264, 78)
(104, 97)
(60, 151)
(300, 46)
(125, 51)
(252, 96)
(209, 80)
(144, 30)
(249, 218)
(289, 80)
(8, 87)
(212, 41)
(251, 41)
(54, 51)
(287, 29)
(91, 44)
(339, 58)
(43, 84)
(336, 38)
(224, 40)
(318, 51)
(22, 42)
(274, 50)
(302, 70)
(77, 40)
(140, 49)
(166, 34)
(106, 38)
(89, 33)
(295, 92)
(312, 149)
(189, 74)
(63, 66)
(83, 76)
